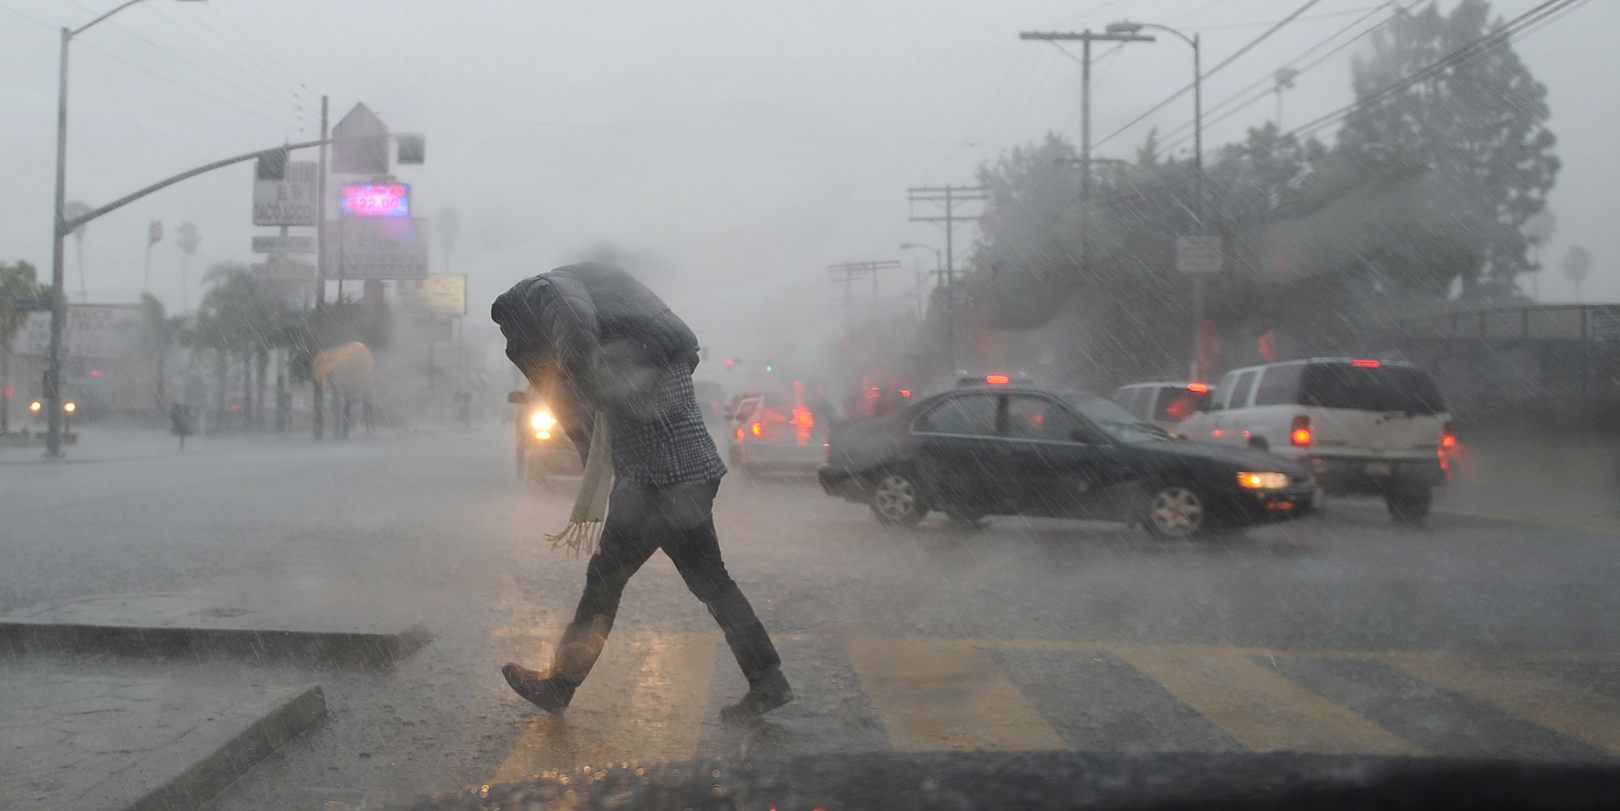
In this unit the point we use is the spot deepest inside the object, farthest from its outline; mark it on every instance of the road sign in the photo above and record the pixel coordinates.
(1202, 254)
(376, 200)
(360, 143)
(92, 331)
(378, 249)
(280, 268)
(441, 294)
(280, 244)
(288, 201)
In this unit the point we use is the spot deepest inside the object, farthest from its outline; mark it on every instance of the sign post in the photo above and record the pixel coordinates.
(288, 201)
(1199, 256)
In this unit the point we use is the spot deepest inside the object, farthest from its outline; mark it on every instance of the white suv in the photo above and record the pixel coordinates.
(1360, 425)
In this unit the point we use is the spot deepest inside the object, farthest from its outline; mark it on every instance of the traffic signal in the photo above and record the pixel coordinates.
(271, 165)
(731, 363)
(412, 148)
(769, 368)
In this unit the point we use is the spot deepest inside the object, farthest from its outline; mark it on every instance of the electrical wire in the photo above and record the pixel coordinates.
(1463, 53)
(295, 94)
(1211, 72)
(1269, 77)
(1188, 126)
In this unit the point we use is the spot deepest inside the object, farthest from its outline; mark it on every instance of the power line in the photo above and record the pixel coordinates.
(1297, 72)
(253, 44)
(1463, 53)
(1326, 15)
(206, 70)
(1212, 71)
(256, 73)
(1268, 77)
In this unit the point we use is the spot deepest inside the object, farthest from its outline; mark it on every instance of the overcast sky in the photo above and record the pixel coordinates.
(737, 147)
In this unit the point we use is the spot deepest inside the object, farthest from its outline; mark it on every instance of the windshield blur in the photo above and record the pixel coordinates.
(414, 403)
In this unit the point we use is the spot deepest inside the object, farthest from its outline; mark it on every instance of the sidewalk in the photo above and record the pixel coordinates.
(1567, 482)
(93, 734)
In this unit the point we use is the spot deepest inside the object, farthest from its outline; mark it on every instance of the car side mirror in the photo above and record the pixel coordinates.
(517, 397)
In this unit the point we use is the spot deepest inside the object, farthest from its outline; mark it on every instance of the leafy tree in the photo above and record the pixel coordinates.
(159, 334)
(1478, 127)
(17, 282)
(237, 319)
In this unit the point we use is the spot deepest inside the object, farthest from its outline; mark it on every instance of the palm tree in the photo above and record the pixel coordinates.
(160, 333)
(17, 282)
(188, 239)
(239, 314)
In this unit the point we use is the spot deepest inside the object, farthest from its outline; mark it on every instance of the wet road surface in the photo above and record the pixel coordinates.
(1340, 634)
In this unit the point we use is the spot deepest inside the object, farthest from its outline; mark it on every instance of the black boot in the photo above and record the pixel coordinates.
(765, 693)
(551, 695)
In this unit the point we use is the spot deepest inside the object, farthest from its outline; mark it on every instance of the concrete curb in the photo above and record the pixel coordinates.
(349, 649)
(200, 782)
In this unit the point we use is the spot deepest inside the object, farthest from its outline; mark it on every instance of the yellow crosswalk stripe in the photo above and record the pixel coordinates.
(1564, 708)
(646, 698)
(943, 695)
(1259, 708)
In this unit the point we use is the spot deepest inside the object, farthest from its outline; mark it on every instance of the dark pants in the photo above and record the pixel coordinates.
(680, 521)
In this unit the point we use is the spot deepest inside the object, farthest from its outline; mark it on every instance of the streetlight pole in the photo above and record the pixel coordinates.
(59, 232)
(1128, 27)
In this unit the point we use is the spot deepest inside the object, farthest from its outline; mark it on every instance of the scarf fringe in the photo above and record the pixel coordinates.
(579, 538)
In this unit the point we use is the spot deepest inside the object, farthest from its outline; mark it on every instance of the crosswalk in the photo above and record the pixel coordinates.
(656, 695)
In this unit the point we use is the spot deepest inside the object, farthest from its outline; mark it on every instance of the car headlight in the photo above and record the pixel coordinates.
(1262, 481)
(542, 421)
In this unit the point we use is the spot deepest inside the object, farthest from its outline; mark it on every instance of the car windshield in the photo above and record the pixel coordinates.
(1381, 388)
(1119, 424)
(816, 294)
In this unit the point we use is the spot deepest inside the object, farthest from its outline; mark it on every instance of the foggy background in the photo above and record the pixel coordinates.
(729, 151)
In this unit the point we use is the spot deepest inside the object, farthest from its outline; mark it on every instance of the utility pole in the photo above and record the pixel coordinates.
(1085, 38)
(848, 272)
(316, 416)
(948, 197)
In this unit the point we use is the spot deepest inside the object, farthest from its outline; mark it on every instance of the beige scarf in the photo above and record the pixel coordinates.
(591, 505)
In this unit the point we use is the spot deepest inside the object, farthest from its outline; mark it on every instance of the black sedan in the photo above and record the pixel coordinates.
(1013, 449)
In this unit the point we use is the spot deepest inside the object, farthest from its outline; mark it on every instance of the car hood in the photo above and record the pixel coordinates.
(1238, 458)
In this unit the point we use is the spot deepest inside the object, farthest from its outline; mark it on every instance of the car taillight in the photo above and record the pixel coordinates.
(1299, 435)
(1448, 438)
(757, 429)
(997, 380)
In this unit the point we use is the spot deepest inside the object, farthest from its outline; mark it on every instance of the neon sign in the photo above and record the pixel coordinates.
(377, 200)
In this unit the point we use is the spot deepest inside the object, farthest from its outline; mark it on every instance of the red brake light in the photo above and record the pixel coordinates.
(905, 393)
(997, 380)
(1366, 363)
(1300, 434)
(1448, 438)
(802, 418)
(1198, 388)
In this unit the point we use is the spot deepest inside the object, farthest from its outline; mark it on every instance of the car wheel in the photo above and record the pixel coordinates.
(1175, 511)
(897, 500)
(1409, 505)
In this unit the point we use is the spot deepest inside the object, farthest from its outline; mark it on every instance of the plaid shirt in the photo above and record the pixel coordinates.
(672, 447)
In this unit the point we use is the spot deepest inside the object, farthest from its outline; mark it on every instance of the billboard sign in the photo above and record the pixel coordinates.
(92, 331)
(378, 249)
(279, 244)
(377, 200)
(288, 201)
(280, 268)
(440, 294)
